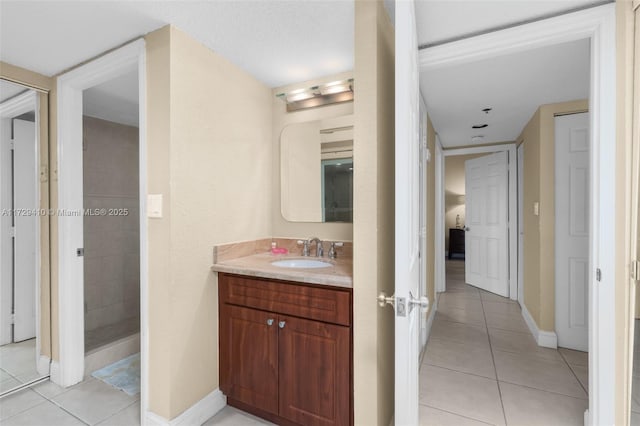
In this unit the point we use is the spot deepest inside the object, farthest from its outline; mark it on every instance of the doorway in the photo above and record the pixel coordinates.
(597, 24)
(125, 60)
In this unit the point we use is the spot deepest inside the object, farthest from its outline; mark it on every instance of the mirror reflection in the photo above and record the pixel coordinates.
(20, 344)
(316, 161)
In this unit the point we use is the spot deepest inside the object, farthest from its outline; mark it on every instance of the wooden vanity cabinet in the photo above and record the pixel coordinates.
(289, 368)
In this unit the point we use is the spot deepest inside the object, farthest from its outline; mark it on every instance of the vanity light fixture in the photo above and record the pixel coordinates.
(325, 94)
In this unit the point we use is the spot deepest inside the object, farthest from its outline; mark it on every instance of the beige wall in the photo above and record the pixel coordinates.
(43, 85)
(209, 124)
(373, 231)
(539, 231)
(454, 187)
(627, 145)
(281, 119)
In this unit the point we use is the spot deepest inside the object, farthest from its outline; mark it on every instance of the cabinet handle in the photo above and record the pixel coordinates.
(281, 324)
(270, 322)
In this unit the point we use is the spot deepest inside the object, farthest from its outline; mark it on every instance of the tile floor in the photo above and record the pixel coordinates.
(17, 364)
(482, 365)
(91, 402)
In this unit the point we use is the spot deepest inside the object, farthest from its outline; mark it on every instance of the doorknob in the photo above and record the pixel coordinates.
(384, 300)
(423, 302)
(466, 228)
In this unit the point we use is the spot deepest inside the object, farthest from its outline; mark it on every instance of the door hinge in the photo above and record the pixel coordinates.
(598, 275)
(80, 252)
(12, 232)
(13, 318)
(635, 270)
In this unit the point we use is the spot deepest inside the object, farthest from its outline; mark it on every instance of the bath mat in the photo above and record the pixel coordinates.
(123, 374)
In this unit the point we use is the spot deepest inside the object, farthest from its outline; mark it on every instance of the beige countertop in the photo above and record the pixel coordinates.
(259, 265)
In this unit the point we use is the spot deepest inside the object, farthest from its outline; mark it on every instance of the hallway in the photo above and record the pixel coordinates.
(482, 365)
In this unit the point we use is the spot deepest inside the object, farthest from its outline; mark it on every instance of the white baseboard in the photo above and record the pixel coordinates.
(44, 364)
(197, 414)
(547, 339)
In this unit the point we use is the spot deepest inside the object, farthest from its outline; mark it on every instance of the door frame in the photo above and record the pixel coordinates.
(520, 190)
(598, 24)
(510, 148)
(18, 105)
(70, 367)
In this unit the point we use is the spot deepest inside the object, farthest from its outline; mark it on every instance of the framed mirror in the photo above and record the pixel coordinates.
(316, 170)
(24, 318)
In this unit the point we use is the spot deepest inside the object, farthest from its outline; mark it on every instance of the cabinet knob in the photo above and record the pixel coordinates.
(281, 324)
(270, 322)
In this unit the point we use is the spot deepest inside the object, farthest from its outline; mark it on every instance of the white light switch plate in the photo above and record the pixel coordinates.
(154, 205)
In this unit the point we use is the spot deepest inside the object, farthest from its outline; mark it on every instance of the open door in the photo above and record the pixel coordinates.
(407, 221)
(25, 202)
(487, 227)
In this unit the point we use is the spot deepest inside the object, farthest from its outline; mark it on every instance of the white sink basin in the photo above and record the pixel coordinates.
(301, 263)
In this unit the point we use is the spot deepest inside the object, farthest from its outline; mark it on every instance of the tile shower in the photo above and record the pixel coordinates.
(111, 232)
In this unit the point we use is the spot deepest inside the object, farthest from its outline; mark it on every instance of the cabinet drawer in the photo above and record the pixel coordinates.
(322, 304)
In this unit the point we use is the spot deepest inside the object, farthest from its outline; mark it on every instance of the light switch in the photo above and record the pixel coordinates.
(536, 209)
(154, 205)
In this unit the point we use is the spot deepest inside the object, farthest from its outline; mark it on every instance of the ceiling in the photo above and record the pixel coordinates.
(278, 42)
(282, 42)
(115, 100)
(514, 86)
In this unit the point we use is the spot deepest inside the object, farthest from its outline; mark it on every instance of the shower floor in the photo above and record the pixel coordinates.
(101, 336)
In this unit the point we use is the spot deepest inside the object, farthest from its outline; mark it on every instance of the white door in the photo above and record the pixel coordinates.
(6, 240)
(572, 230)
(25, 203)
(407, 228)
(487, 223)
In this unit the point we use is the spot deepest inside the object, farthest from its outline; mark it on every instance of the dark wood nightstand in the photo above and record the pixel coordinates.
(456, 241)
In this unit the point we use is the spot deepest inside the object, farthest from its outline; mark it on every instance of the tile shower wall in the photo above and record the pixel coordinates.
(111, 240)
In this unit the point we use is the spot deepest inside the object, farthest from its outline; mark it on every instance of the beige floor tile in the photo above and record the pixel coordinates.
(516, 342)
(463, 394)
(461, 315)
(472, 358)
(463, 290)
(535, 372)
(430, 416)
(49, 389)
(458, 332)
(130, 416)
(508, 321)
(501, 307)
(530, 407)
(230, 416)
(42, 414)
(94, 401)
(18, 402)
(491, 297)
(459, 301)
(9, 383)
(582, 373)
(574, 357)
(4, 375)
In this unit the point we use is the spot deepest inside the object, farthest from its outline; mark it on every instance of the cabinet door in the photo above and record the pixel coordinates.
(249, 356)
(315, 385)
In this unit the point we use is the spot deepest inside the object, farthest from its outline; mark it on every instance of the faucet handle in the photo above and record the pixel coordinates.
(305, 247)
(332, 249)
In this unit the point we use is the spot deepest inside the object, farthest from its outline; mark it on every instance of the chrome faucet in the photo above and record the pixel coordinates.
(319, 249)
(332, 250)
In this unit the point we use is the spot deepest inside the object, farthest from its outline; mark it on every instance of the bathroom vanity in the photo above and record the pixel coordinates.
(286, 345)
